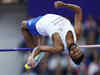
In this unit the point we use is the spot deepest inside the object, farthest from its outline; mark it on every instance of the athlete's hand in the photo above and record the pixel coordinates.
(58, 4)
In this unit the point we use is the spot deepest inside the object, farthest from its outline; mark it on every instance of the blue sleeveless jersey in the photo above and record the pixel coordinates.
(31, 26)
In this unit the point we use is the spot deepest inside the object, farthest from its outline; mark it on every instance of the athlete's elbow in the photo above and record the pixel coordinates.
(59, 49)
(79, 10)
(23, 25)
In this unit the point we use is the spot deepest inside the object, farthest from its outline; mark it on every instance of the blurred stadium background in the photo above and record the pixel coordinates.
(12, 12)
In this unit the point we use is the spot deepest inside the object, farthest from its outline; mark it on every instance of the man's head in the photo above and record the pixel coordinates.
(75, 53)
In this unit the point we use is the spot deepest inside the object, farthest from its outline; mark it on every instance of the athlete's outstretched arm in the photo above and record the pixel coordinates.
(74, 51)
(78, 14)
(57, 46)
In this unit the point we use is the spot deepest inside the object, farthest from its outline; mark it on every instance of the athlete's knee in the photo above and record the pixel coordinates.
(23, 24)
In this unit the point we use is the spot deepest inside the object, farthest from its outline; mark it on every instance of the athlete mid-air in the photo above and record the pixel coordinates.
(64, 36)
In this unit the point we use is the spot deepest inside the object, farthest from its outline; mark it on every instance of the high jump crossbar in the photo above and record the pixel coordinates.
(89, 46)
(30, 49)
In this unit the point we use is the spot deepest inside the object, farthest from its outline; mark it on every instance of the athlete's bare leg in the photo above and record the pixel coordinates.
(31, 41)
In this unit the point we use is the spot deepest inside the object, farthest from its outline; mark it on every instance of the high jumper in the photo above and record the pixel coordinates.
(63, 34)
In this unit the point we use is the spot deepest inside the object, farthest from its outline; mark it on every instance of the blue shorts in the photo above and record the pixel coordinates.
(31, 26)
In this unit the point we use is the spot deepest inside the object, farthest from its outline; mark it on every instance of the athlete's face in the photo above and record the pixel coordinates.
(75, 52)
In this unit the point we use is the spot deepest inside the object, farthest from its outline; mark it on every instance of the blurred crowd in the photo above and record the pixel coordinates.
(12, 1)
(59, 64)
